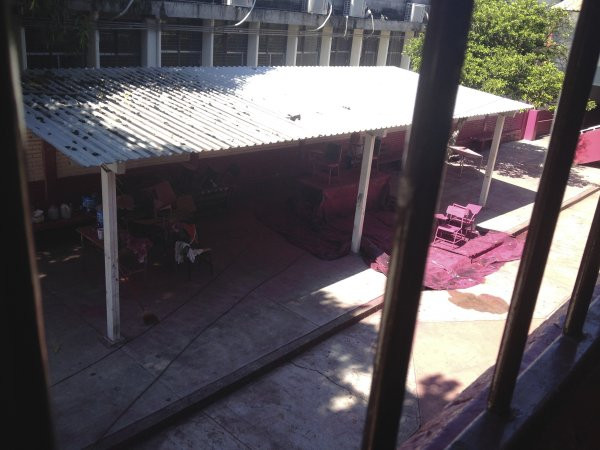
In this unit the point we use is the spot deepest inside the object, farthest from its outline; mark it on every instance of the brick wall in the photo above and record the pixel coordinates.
(34, 160)
(67, 168)
(512, 131)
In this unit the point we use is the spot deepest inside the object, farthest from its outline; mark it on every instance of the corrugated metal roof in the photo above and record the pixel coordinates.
(98, 116)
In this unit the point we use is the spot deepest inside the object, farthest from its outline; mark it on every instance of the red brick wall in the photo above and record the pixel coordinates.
(512, 131)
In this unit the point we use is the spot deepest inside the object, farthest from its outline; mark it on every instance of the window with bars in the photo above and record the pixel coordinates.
(48, 51)
(288, 5)
(309, 49)
(442, 60)
(395, 48)
(341, 47)
(230, 46)
(272, 44)
(181, 48)
(120, 48)
(370, 46)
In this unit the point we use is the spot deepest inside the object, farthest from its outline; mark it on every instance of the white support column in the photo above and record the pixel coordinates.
(405, 59)
(111, 252)
(489, 170)
(325, 51)
(158, 44)
(208, 43)
(253, 40)
(93, 48)
(292, 45)
(363, 191)
(382, 49)
(356, 51)
(22, 47)
(149, 44)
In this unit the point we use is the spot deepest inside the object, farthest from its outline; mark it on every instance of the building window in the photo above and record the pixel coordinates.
(272, 44)
(120, 48)
(341, 47)
(370, 46)
(395, 49)
(46, 50)
(230, 45)
(289, 5)
(181, 48)
(309, 48)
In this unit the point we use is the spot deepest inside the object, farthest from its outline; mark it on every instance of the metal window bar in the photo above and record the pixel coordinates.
(443, 55)
(585, 281)
(25, 392)
(561, 150)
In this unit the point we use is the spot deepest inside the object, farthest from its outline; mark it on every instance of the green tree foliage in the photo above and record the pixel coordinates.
(512, 50)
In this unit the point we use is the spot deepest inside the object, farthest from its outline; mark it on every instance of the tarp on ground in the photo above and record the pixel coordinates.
(330, 237)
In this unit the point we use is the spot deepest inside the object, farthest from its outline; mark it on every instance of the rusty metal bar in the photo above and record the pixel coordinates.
(565, 133)
(443, 56)
(585, 282)
(25, 393)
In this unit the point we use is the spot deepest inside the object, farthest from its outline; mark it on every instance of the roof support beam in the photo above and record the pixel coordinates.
(111, 252)
(382, 49)
(292, 45)
(489, 170)
(356, 50)
(325, 50)
(208, 43)
(151, 44)
(363, 191)
(22, 47)
(253, 42)
(93, 47)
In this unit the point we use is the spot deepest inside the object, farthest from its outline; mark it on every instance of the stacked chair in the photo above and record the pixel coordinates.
(457, 225)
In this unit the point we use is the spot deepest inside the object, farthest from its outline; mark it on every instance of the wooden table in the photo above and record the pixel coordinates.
(465, 153)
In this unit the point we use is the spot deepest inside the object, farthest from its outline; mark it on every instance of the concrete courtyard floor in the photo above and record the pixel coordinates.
(266, 293)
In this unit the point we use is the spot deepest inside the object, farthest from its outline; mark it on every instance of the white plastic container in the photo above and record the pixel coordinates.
(37, 216)
(65, 211)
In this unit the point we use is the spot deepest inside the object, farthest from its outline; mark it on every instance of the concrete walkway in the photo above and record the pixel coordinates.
(319, 399)
(265, 294)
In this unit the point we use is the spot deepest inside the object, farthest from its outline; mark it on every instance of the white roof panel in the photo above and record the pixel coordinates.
(98, 116)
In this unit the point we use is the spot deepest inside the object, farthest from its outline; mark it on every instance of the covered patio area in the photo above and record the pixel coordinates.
(112, 118)
(186, 341)
(169, 342)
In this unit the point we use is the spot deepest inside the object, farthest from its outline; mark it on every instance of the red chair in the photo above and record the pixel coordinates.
(329, 160)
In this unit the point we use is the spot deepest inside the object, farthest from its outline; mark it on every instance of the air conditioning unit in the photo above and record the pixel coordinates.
(355, 8)
(317, 6)
(243, 3)
(415, 12)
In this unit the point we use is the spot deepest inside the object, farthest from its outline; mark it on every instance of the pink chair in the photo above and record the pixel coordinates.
(469, 221)
(453, 225)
